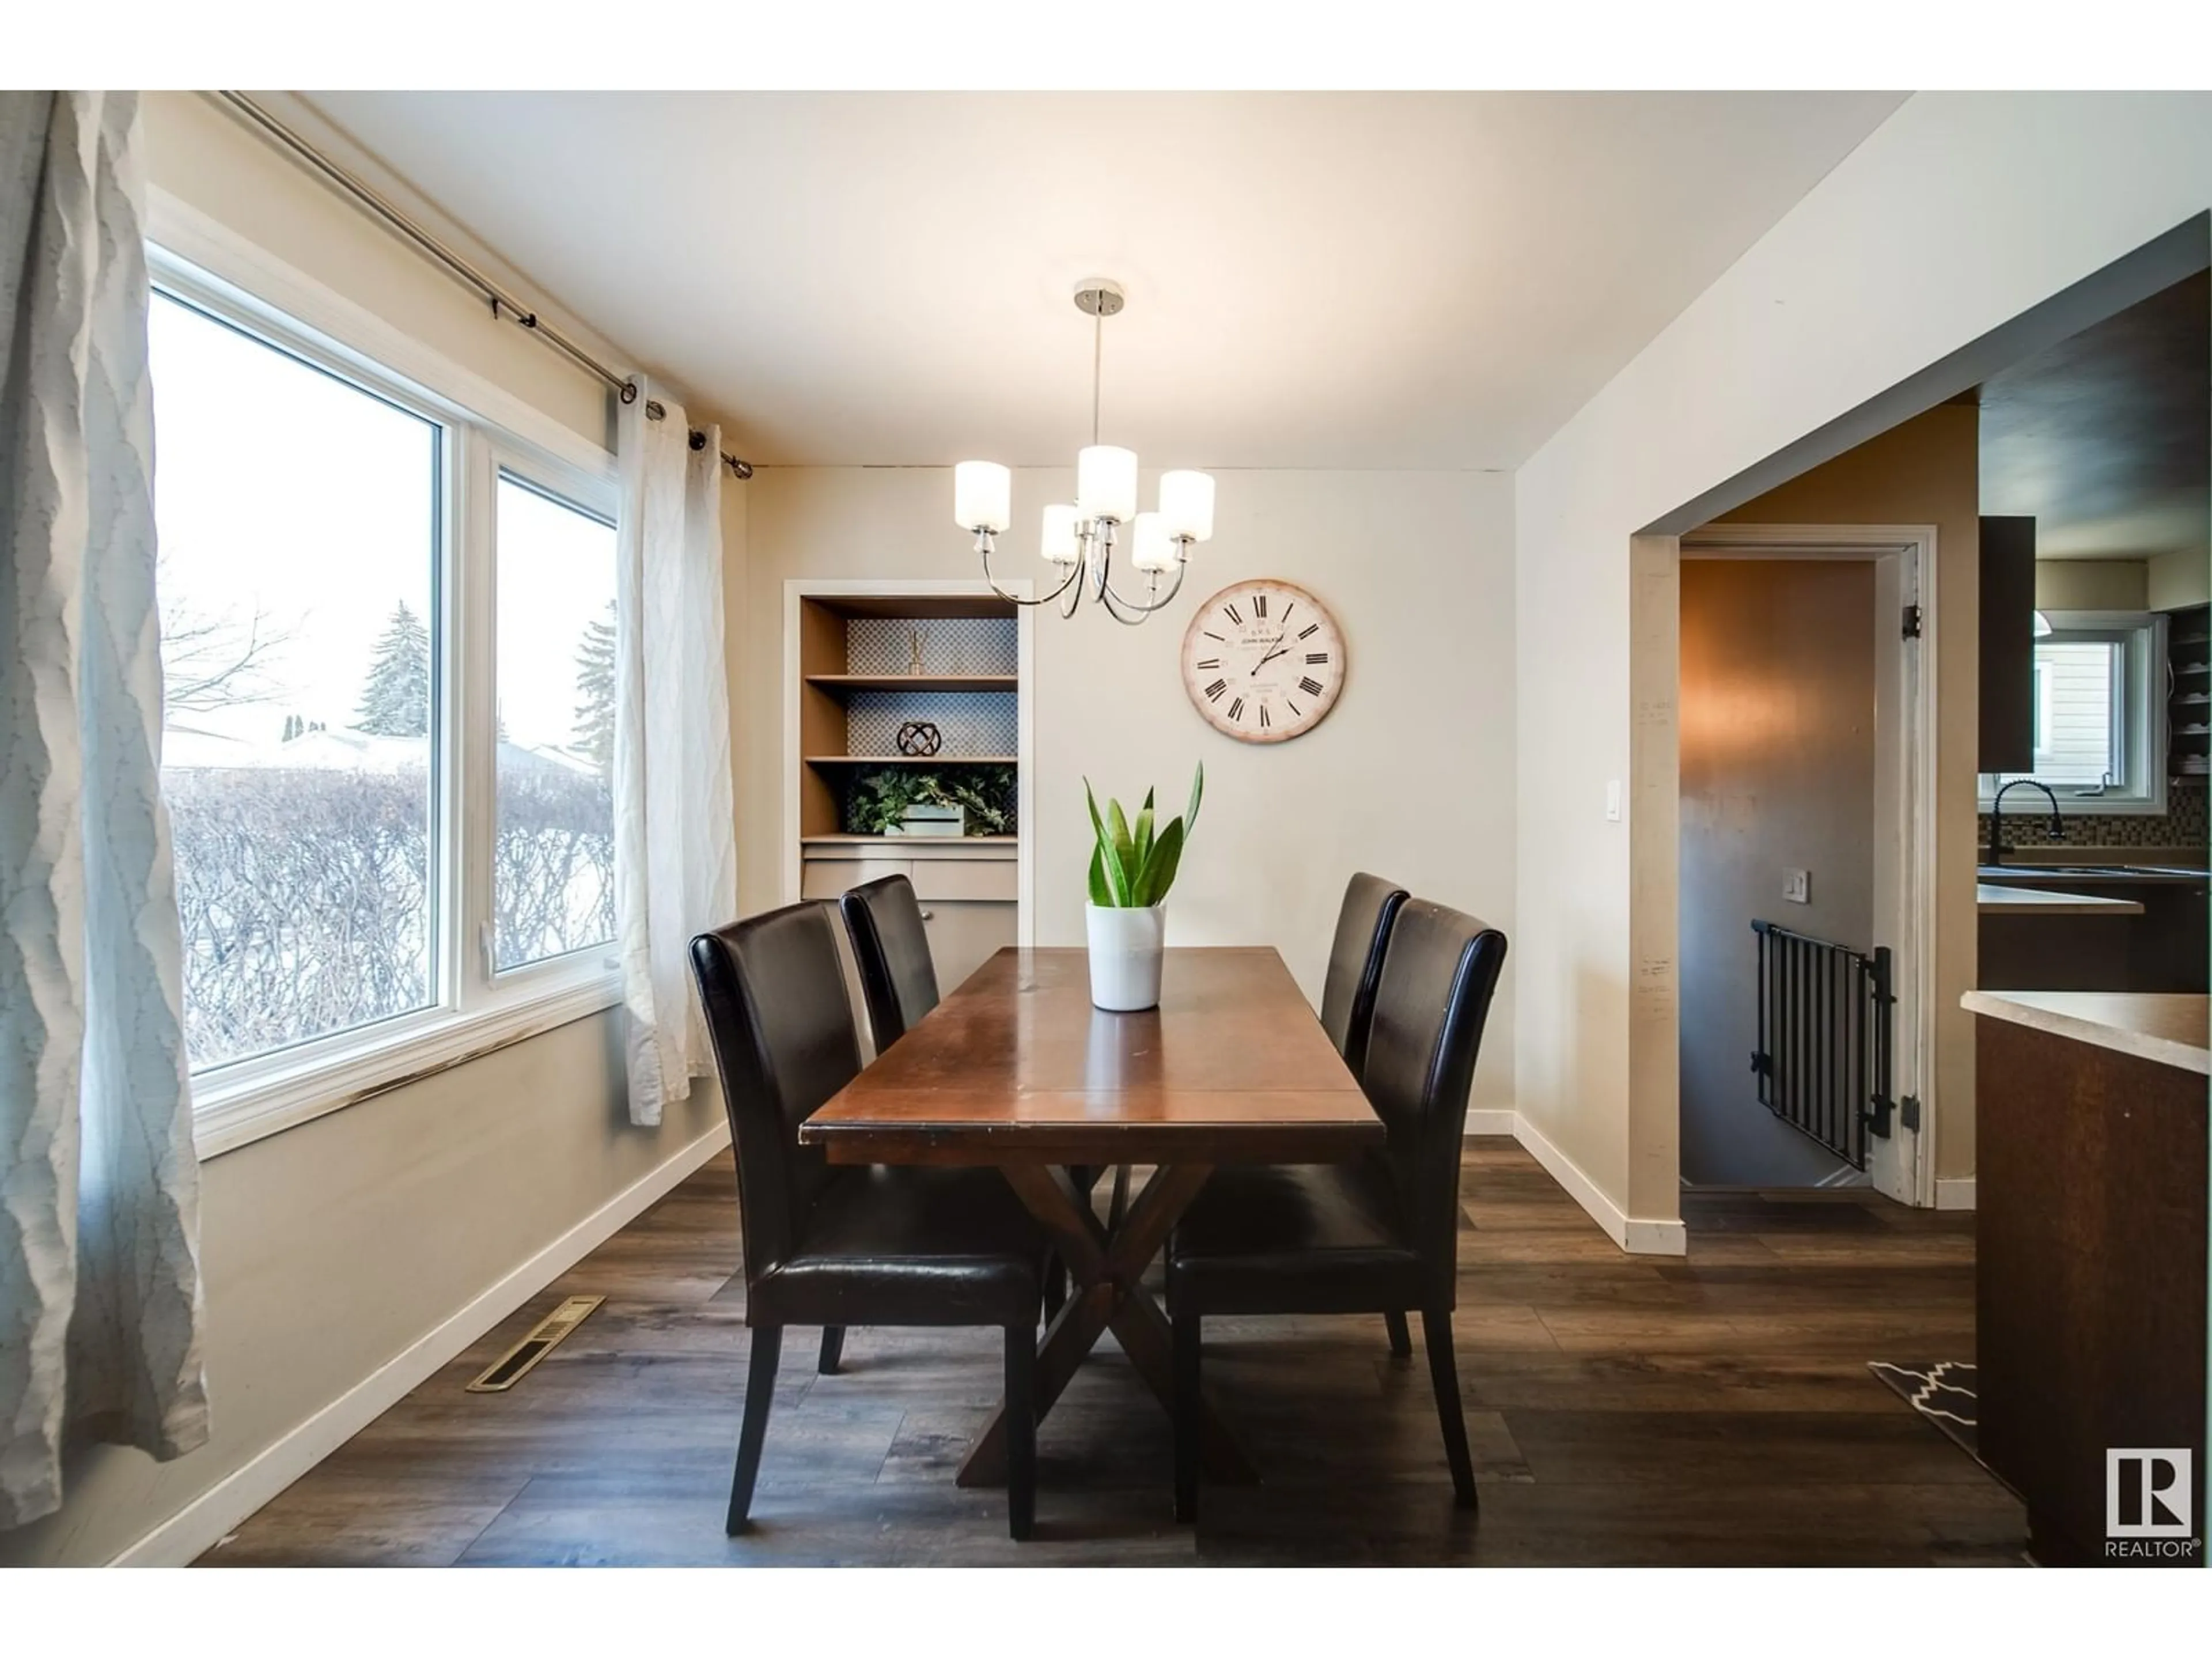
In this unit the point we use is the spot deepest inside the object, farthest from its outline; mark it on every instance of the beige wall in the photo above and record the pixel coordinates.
(211, 162)
(330, 1248)
(1411, 776)
(1778, 772)
(2173, 581)
(2091, 585)
(1959, 214)
(1927, 471)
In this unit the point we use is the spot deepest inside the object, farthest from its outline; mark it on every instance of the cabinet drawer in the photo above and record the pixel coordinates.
(825, 879)
(965, 878)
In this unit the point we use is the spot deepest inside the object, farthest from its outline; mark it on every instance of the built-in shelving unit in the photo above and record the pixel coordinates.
(865, 661)
(913, 760)
(2189, 702)
(836, 683)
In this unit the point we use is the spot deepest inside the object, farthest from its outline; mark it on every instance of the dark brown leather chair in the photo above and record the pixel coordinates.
(891, 947)
(1355, 964)
(898, 982)
(833, 1246)
(1378, 1235)
(1347, 998)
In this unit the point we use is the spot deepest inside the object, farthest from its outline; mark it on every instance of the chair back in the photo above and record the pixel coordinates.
(784, 1042)
(1438, 975)
(1355, 964)
(891, 947)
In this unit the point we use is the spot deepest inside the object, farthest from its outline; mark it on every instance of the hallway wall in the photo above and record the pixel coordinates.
(1778, 769)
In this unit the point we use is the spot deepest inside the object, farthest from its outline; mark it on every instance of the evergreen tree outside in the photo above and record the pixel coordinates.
(595, 686)
(396, 702)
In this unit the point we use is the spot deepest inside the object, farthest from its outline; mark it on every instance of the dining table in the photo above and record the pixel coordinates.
(1017, 1071)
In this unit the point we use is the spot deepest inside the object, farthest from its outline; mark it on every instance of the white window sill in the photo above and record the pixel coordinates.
(2027, 820)
(229, 1112)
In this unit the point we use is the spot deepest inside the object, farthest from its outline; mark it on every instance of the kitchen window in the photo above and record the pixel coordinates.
(387, 638)
(2099, 714)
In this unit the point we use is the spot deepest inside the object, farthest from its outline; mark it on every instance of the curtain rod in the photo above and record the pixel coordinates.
(502, 303)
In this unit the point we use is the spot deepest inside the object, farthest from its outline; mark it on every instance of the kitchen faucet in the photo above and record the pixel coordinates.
(1997, 817)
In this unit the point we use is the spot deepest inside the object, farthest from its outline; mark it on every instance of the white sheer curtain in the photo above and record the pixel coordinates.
(100, 1291)
(675, 854)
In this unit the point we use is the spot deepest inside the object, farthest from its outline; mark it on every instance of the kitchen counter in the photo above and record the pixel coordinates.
(2095, 875)
(2166, 1030)
(1995, 901)
(2162, 948)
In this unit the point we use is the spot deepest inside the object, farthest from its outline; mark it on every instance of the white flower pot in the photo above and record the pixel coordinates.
(1125, 955)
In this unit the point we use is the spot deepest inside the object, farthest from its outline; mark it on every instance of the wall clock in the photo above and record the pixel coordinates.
(1263, 661)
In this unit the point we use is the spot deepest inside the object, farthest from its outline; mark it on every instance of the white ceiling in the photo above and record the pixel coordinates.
(1315, 280)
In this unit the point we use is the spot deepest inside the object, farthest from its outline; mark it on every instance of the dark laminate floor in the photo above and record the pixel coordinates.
(1716, 1409)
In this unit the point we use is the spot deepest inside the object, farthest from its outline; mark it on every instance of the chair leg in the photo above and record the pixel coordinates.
(1118, 1206)
(1402, 1339)
(1443, 1373)
(833, 1349)
(1189, 1409)
(760, 1394)
(1021, 1432)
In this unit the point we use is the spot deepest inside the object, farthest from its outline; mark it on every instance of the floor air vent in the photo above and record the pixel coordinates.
(510, 1368)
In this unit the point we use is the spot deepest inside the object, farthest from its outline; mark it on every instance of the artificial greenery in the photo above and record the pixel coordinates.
(879, 800)
(1132, 868)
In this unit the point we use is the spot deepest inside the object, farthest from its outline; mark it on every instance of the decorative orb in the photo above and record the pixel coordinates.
(919, 738)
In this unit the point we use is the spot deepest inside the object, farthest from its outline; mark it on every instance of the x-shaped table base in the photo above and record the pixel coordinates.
(1108, 1267)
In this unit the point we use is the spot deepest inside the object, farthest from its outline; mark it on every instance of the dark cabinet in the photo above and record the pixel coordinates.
(2007, 646)
(2088, 1277)
(2163, 950)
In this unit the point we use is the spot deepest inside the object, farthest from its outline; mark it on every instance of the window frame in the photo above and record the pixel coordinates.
(2140, 715)
(473, 1010)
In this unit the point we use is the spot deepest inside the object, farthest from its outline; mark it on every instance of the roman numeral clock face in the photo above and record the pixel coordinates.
(1263, 661)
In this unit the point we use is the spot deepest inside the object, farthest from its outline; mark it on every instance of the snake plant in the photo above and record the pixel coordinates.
(1131, 867)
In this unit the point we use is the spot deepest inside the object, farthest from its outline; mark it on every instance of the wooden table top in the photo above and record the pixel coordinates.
(1017, 1067)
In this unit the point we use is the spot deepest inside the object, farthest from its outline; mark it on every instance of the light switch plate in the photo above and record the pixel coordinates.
(1613, 800)
(1797, 886)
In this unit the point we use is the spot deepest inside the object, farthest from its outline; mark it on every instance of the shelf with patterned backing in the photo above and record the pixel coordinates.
(836, 683)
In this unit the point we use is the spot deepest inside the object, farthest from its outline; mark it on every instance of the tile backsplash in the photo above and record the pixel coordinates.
(2183, 825)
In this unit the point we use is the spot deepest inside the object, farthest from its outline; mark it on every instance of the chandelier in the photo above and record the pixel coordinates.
(1080, 537)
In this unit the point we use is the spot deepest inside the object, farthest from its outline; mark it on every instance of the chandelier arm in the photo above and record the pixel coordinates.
(1182, 566)
(1138, 615)
(1067, 582)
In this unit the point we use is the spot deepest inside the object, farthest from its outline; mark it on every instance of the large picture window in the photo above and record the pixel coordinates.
(387, 640)
(298, 581)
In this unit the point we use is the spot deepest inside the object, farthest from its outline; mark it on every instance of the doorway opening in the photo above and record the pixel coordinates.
(1806, 855)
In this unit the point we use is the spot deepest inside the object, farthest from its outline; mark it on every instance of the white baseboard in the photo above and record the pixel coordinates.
(201, 1523)
(1955, 1195)
(1492, 1120)
(1635, 1236)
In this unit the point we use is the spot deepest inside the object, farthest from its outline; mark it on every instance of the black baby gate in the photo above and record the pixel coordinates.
(1823, 1059)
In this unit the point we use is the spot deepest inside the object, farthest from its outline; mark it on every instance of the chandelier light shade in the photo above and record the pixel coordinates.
(1186, 505)
(1060, 542)
(1079, 539)
(1106, 483)
(982, 496)
(1149, 549)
